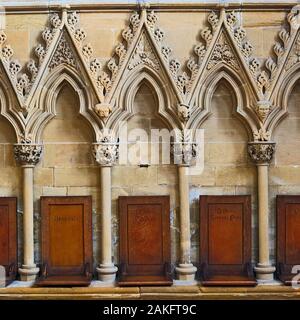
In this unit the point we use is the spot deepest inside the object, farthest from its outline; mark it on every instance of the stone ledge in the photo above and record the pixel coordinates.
(152, 293)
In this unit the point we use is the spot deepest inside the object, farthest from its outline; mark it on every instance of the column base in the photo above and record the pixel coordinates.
(107, 272)
(186, 272)
(29, 272)
(264, 272)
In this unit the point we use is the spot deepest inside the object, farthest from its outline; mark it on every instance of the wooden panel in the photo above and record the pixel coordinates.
(292, 245)
(4, 235)
(66, 240)
(144, 240)
(225, 234)
(288, 236)
(8, 236)
(145, 236)
(225, 240)
(65, 223)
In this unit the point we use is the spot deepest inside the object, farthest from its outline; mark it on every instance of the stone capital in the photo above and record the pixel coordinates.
(184, 152)
(261, 152)
(106, 153)
(28, 154)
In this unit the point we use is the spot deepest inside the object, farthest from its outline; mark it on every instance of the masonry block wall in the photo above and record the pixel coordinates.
(230, 118)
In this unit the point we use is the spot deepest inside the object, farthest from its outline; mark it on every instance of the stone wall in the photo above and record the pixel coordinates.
(68, 167)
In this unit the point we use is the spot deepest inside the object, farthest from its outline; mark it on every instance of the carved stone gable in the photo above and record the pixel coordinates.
(222, 53)
(294, 56)
(144, 54)
(63, 54)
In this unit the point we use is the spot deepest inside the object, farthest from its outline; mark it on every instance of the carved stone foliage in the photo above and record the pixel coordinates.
(222, 54)
(99, 78)
(105, 80)
(173, 64)
(223, 41)
(106, 151)
(262, 135)
(184, 150)
(27, 153)
(261, 152)
(23, 82)
(195, 62)
(63, 54)
(143, 54)
(245, 48)
(286, 49)
(144, 44)
(294, 56)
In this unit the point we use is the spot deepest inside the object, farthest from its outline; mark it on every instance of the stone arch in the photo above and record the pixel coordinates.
(48, 96)
(6, 113)
(287, 132)
(282, 98)
(207, 90)
(125, 99)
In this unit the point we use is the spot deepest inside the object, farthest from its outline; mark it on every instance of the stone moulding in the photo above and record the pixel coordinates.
(225, 52)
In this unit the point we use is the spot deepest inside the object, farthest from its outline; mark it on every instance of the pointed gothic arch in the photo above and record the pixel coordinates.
(6, 110)
(127, 93)
(48, 95)
(202, 111)
(282, 98)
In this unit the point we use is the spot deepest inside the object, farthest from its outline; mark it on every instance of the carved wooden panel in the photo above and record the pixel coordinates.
(8, 237)
(66, 240)
(144, 240)
(225, 240)
(288, 237)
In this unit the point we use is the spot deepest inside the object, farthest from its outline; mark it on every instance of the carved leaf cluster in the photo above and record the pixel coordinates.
(93, 65)
(194, 62)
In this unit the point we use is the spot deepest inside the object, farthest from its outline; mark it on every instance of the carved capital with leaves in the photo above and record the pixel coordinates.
(106, 152)
(28, 154)
(261, 152)
(184, 152)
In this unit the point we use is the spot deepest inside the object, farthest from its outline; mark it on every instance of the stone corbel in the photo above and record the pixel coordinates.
(183, 112)
(263, 108)
(103, 110)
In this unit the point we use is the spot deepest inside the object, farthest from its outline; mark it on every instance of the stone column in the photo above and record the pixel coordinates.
(261, 153)
(183, 154)
(28, 155)
(106, 153)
